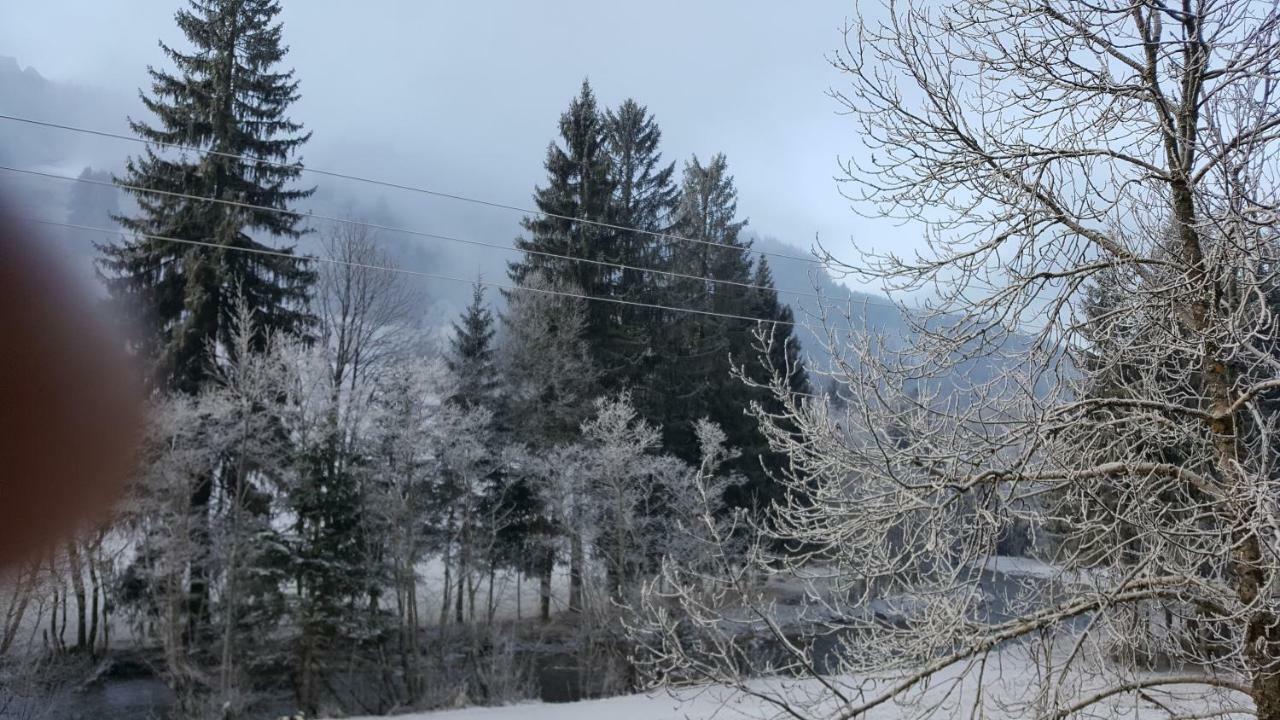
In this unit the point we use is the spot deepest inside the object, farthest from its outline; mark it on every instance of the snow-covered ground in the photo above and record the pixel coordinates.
(1005, 687)
(1008, 684)
(626, 707)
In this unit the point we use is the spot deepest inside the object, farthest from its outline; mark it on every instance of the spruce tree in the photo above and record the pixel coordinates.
(486, 505)
(644, 198)
(645, 194)
(700, 352)
(579, 187)
(227, 97)
(696, 374)
(774, 350)
(471, 354)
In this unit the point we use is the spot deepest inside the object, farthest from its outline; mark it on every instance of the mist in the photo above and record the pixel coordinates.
(464, 100)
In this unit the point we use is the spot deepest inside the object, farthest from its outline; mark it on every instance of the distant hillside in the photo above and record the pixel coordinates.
(27, 93)
(866, 310)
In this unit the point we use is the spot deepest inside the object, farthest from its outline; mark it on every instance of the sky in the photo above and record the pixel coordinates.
(464, 97)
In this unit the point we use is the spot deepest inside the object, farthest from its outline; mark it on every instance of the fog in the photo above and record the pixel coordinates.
(464, 98)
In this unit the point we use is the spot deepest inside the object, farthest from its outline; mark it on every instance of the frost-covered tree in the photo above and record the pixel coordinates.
(364, 315)
(338, 539)
(228, 436)
(550, 382)
(153, 589)
(1040, 146)
(402, 498)
(468, 457)
(628, 487)
(333, 571)
(249, 554)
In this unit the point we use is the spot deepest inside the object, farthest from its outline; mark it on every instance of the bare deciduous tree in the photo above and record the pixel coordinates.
(1046, 149)
(363, 309)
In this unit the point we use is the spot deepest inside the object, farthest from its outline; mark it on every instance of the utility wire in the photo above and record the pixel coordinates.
(405, 271)
(399, 186)
(407, 231)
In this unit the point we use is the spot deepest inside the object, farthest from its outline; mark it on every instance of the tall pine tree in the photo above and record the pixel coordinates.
(700, 352)
(579, 187)
(696, 374)
(471, 354)
(225, 96)
(644, 199)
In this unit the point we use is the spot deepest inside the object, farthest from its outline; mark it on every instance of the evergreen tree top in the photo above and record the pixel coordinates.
(645, 193)
(224, 94)
(579, 185)
(709, 202)
(473, 332)
(764, 275)
(471, 353)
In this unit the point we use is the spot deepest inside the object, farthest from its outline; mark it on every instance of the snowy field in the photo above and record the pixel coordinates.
(1006, 691)
(720, 705)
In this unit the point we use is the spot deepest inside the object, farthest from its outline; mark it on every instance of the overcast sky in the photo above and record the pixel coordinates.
(464, 97)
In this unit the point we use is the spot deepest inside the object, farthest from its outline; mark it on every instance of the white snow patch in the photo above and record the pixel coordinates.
(1008, 681)
(1033, 569)
(1021, 567)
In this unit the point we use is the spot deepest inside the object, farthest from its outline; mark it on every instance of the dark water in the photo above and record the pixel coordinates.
(126, 699)
(557, 676)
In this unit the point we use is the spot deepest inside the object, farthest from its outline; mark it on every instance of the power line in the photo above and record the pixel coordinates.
(405, 271)
(398, 186)
(407, 231)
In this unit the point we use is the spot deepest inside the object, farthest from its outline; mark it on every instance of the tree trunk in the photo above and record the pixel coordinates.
(306, 681)
(576, 561)
(464, 567)
(62, 627)
(544, 588)
(17, 608)
(106, 610)
(413, 683)
(77, 587)
(230, 595)
(448, 588)
(198, 584)
(473, 587)
(94, 582)
(618, 579)
(459, 601)
(490, 608)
